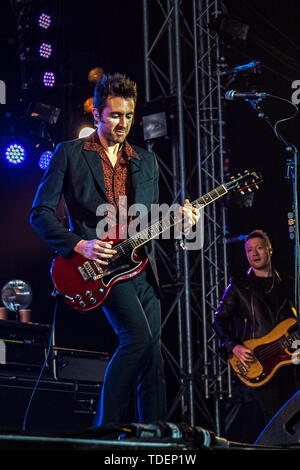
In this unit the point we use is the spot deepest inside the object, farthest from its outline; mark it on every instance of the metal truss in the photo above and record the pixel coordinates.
(183, 68)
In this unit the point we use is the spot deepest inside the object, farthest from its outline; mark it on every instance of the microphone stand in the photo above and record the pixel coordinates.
(292, 173)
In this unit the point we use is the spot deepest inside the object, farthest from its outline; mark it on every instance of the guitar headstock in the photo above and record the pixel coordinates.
(248, 181)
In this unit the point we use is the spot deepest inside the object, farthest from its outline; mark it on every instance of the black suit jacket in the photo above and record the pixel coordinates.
(77, 175)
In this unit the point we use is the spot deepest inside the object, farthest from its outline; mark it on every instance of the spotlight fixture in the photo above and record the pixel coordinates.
(234, 27)
(15, 153)
(45, 159)
(45, 50)
(44, 21)
(155, 125)
(88, 105)
(95, 75)
(49, 79)
(43, 112)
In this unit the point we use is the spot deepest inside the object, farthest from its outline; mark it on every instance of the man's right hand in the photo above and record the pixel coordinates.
(244, 354)
(97, 250)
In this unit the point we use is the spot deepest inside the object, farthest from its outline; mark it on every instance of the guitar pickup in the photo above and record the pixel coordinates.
(109, 271)
(98, 267)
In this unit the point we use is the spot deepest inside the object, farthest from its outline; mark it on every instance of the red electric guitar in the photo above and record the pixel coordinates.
(86, 284)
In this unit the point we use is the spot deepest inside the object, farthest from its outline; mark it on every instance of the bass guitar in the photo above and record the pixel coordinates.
(86, 284)
(271, 352)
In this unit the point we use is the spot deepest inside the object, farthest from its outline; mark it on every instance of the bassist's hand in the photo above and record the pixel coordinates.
(97, 250)
(244, 354)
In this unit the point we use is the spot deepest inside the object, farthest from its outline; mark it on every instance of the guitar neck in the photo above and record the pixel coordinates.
(167, 222)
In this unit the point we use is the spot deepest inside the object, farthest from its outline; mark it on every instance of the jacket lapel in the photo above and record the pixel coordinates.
(94, 162)
(135, 171)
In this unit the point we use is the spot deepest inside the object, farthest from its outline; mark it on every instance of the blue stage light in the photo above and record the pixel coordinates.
(45, 159)
(15, 153)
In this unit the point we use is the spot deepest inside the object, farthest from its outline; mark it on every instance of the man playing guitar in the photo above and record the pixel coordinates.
(89, 173)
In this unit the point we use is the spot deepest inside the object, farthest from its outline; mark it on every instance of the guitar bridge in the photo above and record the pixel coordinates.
(86, 271)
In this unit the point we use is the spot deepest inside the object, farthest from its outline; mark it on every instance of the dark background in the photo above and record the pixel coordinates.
(109, 35)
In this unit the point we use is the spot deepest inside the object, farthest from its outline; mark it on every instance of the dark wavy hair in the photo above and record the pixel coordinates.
(113, 85)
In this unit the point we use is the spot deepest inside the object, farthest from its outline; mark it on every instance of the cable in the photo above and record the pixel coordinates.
(43, 367)
(285, 119)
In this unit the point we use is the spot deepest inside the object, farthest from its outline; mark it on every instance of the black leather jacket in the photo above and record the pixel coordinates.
(246, 311)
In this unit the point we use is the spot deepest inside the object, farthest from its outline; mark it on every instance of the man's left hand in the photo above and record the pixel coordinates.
(191, 215)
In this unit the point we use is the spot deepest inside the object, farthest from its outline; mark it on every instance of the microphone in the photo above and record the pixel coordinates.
(233, 95)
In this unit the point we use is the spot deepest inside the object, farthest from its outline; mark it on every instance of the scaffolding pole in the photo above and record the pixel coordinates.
(182, 67)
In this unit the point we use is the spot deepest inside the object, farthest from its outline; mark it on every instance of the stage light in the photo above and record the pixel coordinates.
(45, 50)
(44, 20)
(234, 28)
(155, 125)
(95, 75)
(49, 79)
(45, 159)
(88, 105)
(15, 153)
(85, 132)
(43, 112)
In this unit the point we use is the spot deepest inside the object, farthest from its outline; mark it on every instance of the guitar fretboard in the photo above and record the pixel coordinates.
(172, 219)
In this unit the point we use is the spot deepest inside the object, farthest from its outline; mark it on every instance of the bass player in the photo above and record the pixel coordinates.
(251, 307)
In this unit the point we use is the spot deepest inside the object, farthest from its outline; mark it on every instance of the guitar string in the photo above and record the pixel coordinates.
(265, 355)
(214, 194)
(126, 245)
(269, 350)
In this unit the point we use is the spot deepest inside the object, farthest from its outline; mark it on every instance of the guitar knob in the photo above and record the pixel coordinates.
(81, 303)
(101, 290)
(77, 297)
(88, 293)
(92, 300)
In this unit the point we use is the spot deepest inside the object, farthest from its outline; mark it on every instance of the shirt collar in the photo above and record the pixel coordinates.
(92, 143)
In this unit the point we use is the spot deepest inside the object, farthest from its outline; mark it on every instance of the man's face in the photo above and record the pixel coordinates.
(116, 119)
(258, 255)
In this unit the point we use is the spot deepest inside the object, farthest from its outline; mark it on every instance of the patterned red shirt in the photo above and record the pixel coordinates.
(116, 178)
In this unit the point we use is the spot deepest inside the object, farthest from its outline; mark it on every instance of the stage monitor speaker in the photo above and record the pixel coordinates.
(284, 428)
(75, 364)
(56, 406)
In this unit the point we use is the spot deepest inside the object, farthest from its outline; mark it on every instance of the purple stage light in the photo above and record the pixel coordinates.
(45, 159)
(45, 50)
(15, 153)
(44, 20)
(49, 79)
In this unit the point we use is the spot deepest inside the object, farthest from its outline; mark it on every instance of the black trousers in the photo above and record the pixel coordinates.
(136, 369)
